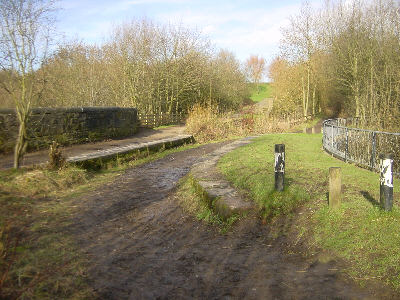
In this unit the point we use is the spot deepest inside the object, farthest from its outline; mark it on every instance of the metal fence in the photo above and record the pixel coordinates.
(360, 146)
(155, 120)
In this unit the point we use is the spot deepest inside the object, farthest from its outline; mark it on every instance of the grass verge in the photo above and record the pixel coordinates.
(194, 204)
(39, 258)
(307, 124)
(261, 92)
(164, 126)
(359, 232)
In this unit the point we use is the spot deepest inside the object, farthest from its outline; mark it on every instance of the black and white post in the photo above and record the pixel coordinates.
(386, 188)
(279, 167)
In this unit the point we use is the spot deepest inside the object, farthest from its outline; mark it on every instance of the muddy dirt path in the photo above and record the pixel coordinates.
(143, 246)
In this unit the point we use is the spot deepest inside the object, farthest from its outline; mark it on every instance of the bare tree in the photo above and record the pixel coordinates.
(154, 67)
(347, 53)
(299, 45)
(255, 68)
(24, 38)
(287, 87)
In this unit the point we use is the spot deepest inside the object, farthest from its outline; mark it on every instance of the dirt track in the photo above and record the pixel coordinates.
(142, 246)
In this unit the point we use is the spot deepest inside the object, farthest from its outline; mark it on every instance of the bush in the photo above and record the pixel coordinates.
(57, 159)
(206, 124)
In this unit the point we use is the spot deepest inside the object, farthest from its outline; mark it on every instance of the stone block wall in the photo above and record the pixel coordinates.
(68, 126)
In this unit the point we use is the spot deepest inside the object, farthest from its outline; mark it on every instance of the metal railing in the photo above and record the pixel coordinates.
(360, 146)
(155, 120)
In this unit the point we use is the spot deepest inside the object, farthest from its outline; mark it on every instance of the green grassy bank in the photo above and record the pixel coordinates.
(261, 92)
(359, 232)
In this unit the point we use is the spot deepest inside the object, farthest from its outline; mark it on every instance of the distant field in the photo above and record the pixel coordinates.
(264, 91)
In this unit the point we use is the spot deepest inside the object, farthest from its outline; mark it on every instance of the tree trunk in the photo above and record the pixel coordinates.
(313, 101)
(306, 95)
(371, 85)
(308, 89)
(209, 97)
(21, 144)
(357, 106)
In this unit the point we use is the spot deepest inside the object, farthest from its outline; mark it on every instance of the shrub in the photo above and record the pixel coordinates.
(207, 124)
(57, 159)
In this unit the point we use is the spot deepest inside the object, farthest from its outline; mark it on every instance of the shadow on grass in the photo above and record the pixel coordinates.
(288, 182)
(371, 199)
(365, 194)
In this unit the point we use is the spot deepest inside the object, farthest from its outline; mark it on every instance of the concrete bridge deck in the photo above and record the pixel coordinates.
(144, 138)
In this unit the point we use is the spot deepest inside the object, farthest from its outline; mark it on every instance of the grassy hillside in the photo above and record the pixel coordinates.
(263, 91)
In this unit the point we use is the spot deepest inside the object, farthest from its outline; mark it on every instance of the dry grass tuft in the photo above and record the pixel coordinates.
(41, 182)
(207, 124)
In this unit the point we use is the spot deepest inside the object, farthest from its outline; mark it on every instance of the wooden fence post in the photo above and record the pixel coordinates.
(335, 187)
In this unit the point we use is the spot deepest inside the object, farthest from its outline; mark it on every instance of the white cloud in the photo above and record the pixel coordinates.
(240, 29)
(209, 29)
(245, 32)
(138, 2)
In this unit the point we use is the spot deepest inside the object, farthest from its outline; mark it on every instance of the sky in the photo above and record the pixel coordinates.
(246, 27)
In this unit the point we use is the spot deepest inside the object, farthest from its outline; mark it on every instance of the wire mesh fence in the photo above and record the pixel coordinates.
(155, 120)
(360, 146)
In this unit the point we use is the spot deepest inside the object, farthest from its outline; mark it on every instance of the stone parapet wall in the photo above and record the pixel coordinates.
(68, 125)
